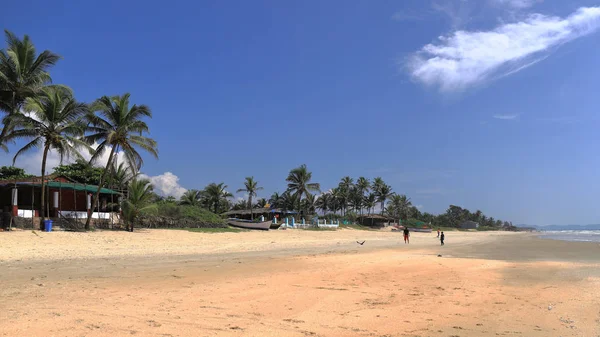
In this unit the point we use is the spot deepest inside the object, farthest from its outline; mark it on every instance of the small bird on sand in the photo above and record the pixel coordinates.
(361, 243)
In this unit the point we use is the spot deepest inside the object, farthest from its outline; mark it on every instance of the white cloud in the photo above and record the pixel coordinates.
(166, 184)
(419, 206)
(506, 117)
(466, 58)
(518, 4)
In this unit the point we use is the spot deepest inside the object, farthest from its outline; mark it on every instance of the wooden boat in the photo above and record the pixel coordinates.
(420, 230)
(276, 225)
(248, 224)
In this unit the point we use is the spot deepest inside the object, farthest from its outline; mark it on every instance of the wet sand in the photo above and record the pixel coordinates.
(296, 283)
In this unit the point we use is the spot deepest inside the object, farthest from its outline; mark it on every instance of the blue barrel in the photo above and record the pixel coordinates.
(48, 225)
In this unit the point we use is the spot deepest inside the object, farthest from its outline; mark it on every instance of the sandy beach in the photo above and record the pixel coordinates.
(296, 283)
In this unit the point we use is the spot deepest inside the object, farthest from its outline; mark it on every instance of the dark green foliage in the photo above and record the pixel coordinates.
(81, 172)
(11, 172)
(173, 215)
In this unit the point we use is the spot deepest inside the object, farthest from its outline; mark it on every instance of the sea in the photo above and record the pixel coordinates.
(589, 233)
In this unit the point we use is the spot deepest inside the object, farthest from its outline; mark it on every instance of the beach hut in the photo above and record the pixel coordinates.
(65, 198)
(469, 225)
(374, 220)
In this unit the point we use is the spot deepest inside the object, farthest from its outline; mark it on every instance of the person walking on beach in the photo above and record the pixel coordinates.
(406, 235)
(438, 232)
(442, 238)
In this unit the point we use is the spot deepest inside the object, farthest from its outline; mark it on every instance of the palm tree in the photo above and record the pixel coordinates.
(324, 202)
(299, 182)
(250, 187)
(55, 125)
(345, 186)
(336, 200)
(290, 201)
(121, 175)
(191, 198)
(275, 200)
(370, 201)
(119, 127)
(261, 203)
(405, 207)
(140, 197)
(215, 194)
(363, 185)
(22, 75)
(383, 192)
(399, 206)
(309, 204)
(377, 183)
(240, 205)
(356, 199)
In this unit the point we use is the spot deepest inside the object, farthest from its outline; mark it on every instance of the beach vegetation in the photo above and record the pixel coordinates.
(12, 172)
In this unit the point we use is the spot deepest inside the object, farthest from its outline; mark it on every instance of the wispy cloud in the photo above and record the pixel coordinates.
(506, 117)
(458, 11)
(467, 58)
(518, 4)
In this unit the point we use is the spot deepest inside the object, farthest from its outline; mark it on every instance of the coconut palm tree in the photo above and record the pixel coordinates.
(290, 201)
(399, 206)
(324, 202)
(309, 204)
(121, 175)
(119, 127)
(370, 201)
(240, 205)
(356, 199)
(275, 200)
(215, 194)
(383, 192)
(250, 187)
(345, 186)
(336, 200)
(405, 207)
(23, 74)
(140, 198)
(363, 185)
(191, 198)
(54, 123)
(299, 182)
(261, 203)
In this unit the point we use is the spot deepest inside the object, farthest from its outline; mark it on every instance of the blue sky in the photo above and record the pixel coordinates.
(487, 104)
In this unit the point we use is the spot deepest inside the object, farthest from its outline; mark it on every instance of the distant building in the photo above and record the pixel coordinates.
(469, 225)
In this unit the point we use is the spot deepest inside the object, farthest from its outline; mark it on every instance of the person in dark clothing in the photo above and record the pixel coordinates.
(442, 237)
(406, 235)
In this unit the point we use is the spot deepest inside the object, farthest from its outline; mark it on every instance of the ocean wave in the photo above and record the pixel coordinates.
(575, 232)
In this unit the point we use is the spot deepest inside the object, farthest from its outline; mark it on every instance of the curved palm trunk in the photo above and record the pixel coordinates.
(6, 123)
(97, 194)
(43, 196)
(251, 210)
